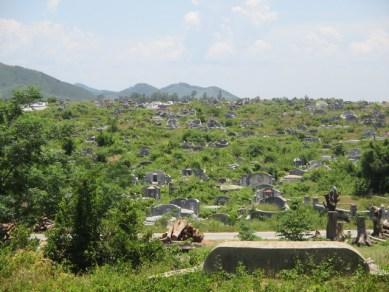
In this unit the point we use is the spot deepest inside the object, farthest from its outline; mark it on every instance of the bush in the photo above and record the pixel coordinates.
(295, 223)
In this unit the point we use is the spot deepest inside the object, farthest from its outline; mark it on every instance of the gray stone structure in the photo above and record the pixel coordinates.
(162, 209)
(256, 179)
(224, 218)
(275, 256)
(221, 200)
(189, 204)
(157, 177)
(152, 192)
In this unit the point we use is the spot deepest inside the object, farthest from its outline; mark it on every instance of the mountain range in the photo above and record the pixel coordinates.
(12, 77)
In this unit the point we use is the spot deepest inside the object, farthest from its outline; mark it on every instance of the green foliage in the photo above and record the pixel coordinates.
(296, 223)
(246, 232)
(375, 169)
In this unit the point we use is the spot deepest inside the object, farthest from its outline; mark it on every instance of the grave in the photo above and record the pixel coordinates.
(221, 200)
(189, 204)
(275, 256)
(152, 192)
(221, 217)
(162, 209)
(157, 177)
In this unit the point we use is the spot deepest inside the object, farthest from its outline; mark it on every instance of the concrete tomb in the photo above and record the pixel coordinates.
(275, 256)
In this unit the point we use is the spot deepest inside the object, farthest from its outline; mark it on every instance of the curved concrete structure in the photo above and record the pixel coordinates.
(274, 256)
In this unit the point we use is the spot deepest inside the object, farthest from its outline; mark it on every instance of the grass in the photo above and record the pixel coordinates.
(29, 271)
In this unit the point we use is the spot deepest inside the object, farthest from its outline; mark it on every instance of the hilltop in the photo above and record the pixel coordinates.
(16, 76)
(12, 77)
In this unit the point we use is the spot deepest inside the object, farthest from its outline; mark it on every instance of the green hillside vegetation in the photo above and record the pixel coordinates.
(75, 163)
(13, 77)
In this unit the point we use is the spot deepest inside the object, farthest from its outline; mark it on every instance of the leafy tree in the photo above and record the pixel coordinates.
(21, 139)
(374, 171)
(74, 239)
(295, 223)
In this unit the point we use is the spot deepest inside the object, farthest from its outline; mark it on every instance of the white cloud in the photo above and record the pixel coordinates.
(259, 47)
(165, 49)
(220, 50)
(258, 11)
(192, 19)
(377, 42)
(195, 2)
(52, 5)
(324, 40)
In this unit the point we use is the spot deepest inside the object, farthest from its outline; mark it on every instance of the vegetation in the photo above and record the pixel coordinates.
(77, 164)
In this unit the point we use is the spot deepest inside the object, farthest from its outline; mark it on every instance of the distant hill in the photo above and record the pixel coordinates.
(12, 77)
(140, 88)
(95, 91)
(184, 89)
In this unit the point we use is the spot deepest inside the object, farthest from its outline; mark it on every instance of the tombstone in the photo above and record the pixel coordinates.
(353, 210)
(157, 177)
(315, 201)
(307, 200)
(187, 172)
(194, 205)
(221, 217)
(164, 209)
(221, 200)
(152, 192)
(298, 162)
(256, 179)
(221, 143)
(144, 151)
(189, 204)
(171, 188)
(331, 225)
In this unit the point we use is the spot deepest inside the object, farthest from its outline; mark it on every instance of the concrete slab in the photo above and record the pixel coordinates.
(274, 256)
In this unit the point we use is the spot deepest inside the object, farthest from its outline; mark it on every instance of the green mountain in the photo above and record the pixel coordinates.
(12, 77)
(95, 91)
(184, 90)
(140, 88)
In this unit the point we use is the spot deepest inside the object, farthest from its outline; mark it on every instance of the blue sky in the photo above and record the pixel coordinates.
(267, 48)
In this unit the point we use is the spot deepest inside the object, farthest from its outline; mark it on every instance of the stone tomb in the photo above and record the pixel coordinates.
(157, 177)
(162, 209)
(189, 204)
(221, 200)
(275, 256)
(221, 217)
(152, 192)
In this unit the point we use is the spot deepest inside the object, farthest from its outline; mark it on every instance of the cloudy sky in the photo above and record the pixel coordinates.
(267, 48)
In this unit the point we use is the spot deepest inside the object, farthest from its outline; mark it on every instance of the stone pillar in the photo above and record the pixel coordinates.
(315, 201)
(331, 225)
(353, 210)
(307, 200)
(362, 237)
(171, 188)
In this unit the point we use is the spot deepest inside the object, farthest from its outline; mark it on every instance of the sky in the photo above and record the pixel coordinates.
(266, 48)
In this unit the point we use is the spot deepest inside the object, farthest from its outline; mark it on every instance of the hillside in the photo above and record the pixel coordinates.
(140, 88)
(12, 77)
(184, 89)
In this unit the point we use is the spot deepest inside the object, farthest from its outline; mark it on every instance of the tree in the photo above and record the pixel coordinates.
(295, 223)
(21, 140)
(374, 171)
(75, 237)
